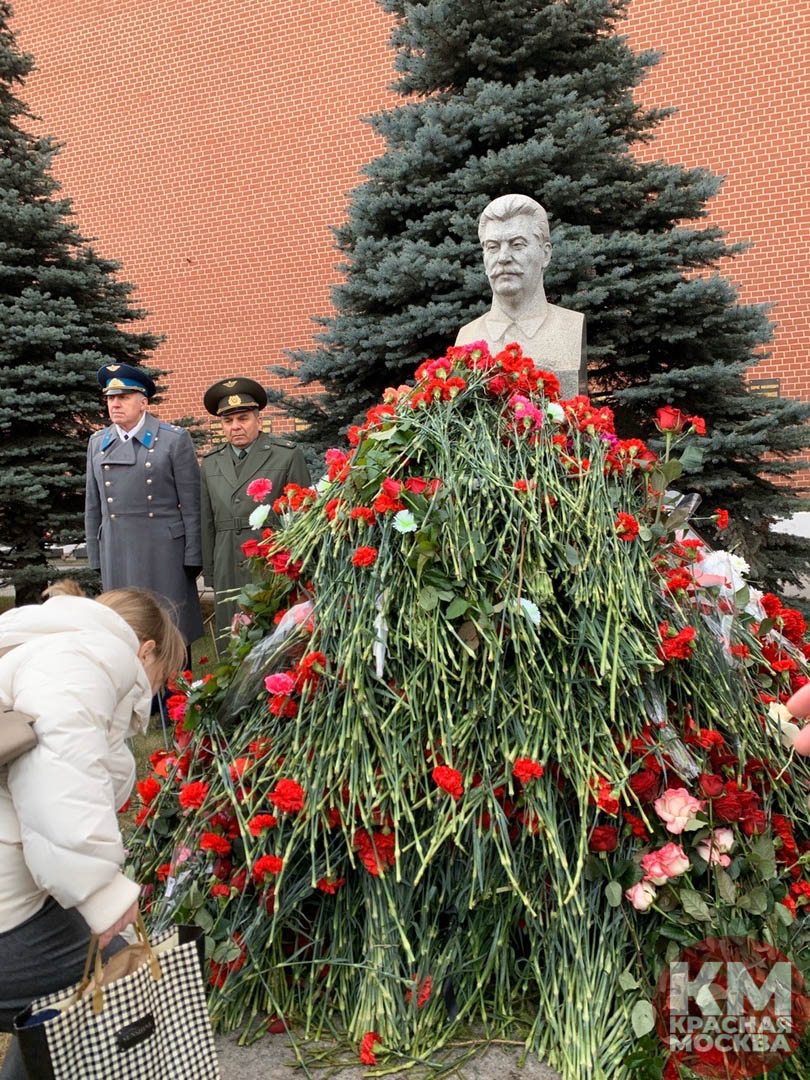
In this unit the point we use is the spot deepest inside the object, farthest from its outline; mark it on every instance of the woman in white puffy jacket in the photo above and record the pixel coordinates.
(85, 670)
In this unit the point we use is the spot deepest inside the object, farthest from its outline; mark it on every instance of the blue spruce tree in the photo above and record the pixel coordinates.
(62, 310)
(537, 97)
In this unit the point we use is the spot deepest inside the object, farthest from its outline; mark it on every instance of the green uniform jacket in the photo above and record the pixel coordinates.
(225, 509)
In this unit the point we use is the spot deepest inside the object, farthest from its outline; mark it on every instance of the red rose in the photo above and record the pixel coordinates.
(668, 419)
(728, 807)
(711, 785)
(645, 785)
(604, 838)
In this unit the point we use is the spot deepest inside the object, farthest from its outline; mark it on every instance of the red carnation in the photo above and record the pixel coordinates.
(267, 864)
(148, 789)
(288, 796)
(211, 841)
(448, 780)
(675, 645)
(366, 1055)
(721, 519)
(364, 556)
(260, 822)
(604, 838)
(698, 423)
(330, 887)
(525, 769)
(626, 527)
(220, 890)
(193, 795)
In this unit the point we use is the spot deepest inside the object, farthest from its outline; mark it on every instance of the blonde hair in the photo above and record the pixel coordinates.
(145, 612)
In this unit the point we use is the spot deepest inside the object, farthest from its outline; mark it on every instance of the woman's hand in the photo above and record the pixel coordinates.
(129, 917)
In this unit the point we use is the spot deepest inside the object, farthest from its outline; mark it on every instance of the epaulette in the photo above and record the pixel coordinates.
(171, 427)
(215, 449)
(282, 442)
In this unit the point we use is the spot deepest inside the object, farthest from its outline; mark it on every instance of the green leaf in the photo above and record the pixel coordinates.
(692, 458)
(783, 915)
(456, 607)
(382, 436)
(763, 857)
(742, 597)
(428, 598)
(642, 1018)
(595, 868)
(644, 533)
(628, 981)
(766, 626)
(725, 886)
(613, 892)
(670, 470)
(755, 902)
(571, 555)
(694, 905)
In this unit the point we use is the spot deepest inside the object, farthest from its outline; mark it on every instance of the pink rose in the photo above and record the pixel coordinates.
(279, 684)
(711, 855)
(259, 489)
(723, 840)
(670, 861)
(641, 895)
(677, 809)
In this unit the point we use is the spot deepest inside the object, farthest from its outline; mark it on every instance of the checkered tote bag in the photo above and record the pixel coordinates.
(150, 1024)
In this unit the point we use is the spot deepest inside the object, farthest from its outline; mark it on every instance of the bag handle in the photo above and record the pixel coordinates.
(94, 961)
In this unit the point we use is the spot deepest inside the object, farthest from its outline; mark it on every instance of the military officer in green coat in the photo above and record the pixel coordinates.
(246, 455)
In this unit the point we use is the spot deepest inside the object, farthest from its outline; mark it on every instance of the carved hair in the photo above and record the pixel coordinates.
(145, 612)
(508, 206)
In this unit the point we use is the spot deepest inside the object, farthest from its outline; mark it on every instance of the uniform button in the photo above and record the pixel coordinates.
(151, 514)
(107, 483)
(112, 515)
(148, 498)
(106, 466)
(109, 498)
(149, 481)
(148, 465)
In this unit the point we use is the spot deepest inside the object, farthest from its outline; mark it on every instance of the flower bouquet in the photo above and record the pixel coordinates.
(499, 737)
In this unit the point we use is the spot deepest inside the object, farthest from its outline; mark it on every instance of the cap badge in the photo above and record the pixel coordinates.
(114, 384)
(234, 399)
(230, 382)
(113, 367)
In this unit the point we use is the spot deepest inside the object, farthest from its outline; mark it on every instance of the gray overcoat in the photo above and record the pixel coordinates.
(142, 515)
(226, 509)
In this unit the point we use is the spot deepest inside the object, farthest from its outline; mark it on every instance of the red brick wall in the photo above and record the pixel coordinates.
(209, 147)
(198, 132)
(739, 71)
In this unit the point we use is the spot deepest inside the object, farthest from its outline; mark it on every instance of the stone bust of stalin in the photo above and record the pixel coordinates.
(516, 243)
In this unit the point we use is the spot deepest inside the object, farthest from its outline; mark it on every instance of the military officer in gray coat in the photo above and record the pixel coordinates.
(246, 454)
(142, 505)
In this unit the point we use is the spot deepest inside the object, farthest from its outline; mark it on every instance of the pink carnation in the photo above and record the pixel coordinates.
(677, 809)
(259, 489)
(279, 684)
(670, 861)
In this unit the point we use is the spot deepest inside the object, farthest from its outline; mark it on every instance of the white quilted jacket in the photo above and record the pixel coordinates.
(75, 669)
